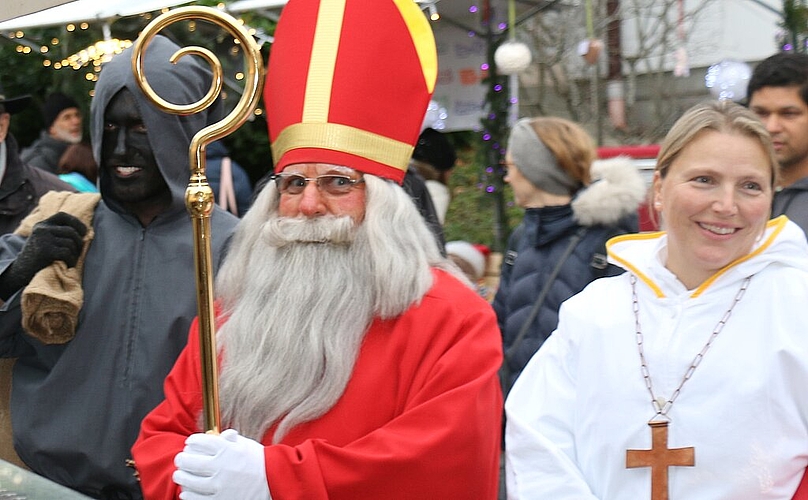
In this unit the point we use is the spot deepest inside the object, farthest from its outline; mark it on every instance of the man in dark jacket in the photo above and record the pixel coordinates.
(76, 407)
(21, 186)
(62, 118)
(20, 189)
(415, 186)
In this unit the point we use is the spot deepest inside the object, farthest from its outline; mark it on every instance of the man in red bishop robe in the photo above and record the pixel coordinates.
(356, 362)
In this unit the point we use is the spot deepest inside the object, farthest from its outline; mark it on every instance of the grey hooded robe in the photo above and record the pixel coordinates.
(76, 408)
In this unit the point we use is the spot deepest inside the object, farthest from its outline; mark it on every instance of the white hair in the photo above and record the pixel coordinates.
(298, 296)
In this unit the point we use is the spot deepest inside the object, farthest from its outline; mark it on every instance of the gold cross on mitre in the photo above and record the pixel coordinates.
(659, 458)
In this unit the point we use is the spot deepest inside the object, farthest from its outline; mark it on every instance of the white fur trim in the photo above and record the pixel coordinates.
(617, 190)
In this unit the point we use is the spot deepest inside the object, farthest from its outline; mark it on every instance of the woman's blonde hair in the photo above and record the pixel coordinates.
(720, 116)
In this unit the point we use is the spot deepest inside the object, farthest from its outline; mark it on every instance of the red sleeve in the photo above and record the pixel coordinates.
(164, 430)
(802, 489)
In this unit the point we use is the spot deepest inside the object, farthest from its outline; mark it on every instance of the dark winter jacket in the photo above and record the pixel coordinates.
(22, 187)
(44, 153)
(216, 151)
(76, 408)
(792, 201)
(415, 186)
(605, 209)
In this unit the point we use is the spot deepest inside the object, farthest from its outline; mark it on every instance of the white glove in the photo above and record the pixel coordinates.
(226, 466)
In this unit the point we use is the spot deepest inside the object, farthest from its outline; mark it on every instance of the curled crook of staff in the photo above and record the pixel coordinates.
(199, 195)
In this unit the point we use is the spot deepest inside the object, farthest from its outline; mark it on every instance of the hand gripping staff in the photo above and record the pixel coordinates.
(199, 195)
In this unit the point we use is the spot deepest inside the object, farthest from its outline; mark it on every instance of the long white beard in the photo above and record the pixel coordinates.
(289, 346)
(301, 295)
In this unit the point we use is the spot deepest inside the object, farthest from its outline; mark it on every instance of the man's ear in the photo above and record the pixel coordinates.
(5, 120)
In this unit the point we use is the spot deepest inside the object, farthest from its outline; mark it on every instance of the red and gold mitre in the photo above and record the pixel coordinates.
(348, 83)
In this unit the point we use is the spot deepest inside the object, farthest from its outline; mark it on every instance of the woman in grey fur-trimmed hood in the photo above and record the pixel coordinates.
(573, 205)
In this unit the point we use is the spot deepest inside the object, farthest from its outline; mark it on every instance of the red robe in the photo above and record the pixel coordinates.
(802, 489)
(420, 417)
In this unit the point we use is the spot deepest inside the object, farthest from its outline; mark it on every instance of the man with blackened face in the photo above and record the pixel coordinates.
(131, 174)
(78, 403)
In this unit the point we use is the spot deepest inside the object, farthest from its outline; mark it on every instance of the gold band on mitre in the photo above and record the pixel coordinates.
(336, 137)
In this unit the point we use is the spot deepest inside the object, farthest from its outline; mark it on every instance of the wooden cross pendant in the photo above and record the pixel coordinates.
(659, 458)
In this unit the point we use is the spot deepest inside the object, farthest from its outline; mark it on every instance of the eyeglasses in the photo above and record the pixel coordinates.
(332, 184)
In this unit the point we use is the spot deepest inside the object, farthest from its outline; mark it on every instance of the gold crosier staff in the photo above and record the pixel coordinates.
(199, 195)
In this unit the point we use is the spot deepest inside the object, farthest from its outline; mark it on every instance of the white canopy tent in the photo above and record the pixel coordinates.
(16, 8)
(85, 11)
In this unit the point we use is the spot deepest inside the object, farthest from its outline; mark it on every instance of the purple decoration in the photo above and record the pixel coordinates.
(503, 26)
(514, 100)
(489, 189)
(486, 137)
(788, 47)
(473, 9)
(484, 66)
(497, 88)
(489, 170)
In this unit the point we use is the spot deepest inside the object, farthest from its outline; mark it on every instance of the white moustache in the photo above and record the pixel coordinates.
(281, 231)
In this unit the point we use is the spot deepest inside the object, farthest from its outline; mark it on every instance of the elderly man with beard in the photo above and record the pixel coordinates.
(21, 185)
(355, 361)
(77, 402)
(62, 119)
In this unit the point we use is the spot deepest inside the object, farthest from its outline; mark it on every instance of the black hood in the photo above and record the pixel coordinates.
(170, 135)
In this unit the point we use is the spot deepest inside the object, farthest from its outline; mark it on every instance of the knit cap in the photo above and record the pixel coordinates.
(55, 104)
(470, 255)
(435, 149)
(536, 162)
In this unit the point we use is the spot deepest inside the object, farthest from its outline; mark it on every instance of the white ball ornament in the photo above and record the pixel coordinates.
(728, 80)
(512, 57)
(435, 116)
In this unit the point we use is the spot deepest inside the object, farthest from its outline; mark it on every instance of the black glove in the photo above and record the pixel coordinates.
(59, 237)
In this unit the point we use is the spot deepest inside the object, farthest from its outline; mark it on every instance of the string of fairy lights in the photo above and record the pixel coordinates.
(91, 59)
(93, 56)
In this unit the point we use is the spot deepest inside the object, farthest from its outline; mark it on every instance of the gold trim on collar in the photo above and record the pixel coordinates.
(775, 225)
(343, 138)
(628, 265)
